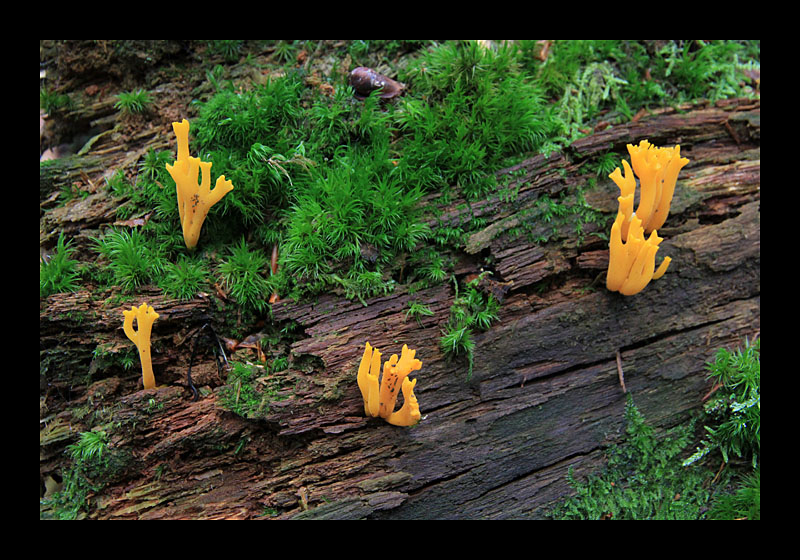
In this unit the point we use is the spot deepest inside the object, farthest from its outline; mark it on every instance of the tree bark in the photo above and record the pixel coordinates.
(544, 394)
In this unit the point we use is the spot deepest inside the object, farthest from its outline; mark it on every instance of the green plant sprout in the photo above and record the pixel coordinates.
(736, 405)
(230, 49)
(744, 503)
(133, 102)
(90, 446)
(417, 310)
(59, 272)
(285, 51)
(133, 259)
(153, 165)
(471, 309)
(51, 101)
(242, 274)
(184, 278)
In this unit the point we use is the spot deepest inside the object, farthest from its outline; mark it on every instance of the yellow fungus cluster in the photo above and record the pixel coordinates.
(631, 264)
(379, 401)
(145, 317)
(657, 170)
(194, 200)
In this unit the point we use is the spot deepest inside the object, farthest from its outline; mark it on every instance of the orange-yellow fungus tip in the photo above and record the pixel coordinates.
(657, 170)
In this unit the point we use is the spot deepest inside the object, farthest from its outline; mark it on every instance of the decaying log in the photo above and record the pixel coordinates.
(544, 394)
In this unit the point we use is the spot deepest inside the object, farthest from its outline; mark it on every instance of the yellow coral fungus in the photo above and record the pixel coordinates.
(631, 265)
(657, 170)
(145, 316)
(194, 201)
(379, 400)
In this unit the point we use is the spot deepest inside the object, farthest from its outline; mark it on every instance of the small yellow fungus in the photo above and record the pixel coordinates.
(145, 317)
(657, 170)
(631, 265)
(379, 400)
(194, 201)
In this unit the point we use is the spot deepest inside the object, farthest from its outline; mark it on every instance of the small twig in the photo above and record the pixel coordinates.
(619, 372)
(198, 335)
(597, 279)
(302, 493)
(733, 134)
(86, 178)
(274, 267)
(711, 392)
(719, 472)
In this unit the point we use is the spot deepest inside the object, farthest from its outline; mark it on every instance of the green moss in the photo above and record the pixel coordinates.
(242, 273)
(134, 259)
(623, 76)
(52, 101)
(472, 309)
(186, 277)
(743, 503)
(59, 273)
(337, 184)
(93, 466)
(133, 102)
(472, 107)
(734, 411)
(250, 389)
(644, 479)
(417, 310)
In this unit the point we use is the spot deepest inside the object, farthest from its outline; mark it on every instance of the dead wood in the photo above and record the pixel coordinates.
(545, 392)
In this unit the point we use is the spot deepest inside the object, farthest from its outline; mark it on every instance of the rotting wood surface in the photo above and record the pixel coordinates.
(544, 394)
